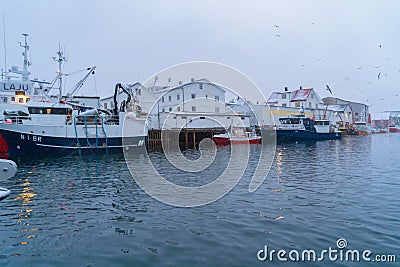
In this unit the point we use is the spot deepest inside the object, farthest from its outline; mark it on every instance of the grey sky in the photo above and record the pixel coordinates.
(333, 42)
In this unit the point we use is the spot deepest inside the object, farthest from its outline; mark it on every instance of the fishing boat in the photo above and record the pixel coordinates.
(362, 128)
(8, 168)
(300, 127)
(236, 135)
(67, 128)
(393, 128)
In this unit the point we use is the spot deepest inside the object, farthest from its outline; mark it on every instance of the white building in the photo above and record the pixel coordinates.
(301, 98)
(197, 104)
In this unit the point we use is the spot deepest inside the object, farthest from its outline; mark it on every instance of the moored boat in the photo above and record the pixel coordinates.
(65, 128)
(299, 127)
(362, 128)
(393, 128)
(237, 136)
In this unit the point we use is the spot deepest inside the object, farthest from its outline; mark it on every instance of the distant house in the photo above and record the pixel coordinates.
(381, 120)
(359, 111)
(301, 98)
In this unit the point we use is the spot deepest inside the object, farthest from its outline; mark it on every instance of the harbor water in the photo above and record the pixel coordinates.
(88, 211)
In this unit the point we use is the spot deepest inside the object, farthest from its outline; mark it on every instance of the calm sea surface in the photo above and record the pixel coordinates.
(88, 211)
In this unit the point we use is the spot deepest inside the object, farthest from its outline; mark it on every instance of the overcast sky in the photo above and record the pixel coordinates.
(334, 42)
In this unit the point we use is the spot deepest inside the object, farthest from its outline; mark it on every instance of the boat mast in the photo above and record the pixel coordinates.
(61, 58)
(25, 72)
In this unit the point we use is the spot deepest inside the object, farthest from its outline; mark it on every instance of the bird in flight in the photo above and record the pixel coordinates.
(277, 35)
(379, 75)
(380, 46)
(328, 88)
(276, 26)
(377, 67)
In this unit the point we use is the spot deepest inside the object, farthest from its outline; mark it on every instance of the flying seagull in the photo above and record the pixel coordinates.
(277, 35)
(379, 75)
(380, 46)
(328, 88)
(377, 67)
(276, 26)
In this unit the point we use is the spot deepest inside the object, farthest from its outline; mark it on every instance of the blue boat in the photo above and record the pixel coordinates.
(299, 127)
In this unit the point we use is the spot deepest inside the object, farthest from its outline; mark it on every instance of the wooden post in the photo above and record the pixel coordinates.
(186, 139)
(194, 139)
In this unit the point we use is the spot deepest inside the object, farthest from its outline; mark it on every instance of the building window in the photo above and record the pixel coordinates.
(178, 108)
(105, 105)
(312, 96)
(193, 96)
(216, 98)
(201, 86)
(242, 118)
(169, 98)
(163, 110)
(139, 91)
(178, 97)
(283, 96)
(162, 99)
(112, 105)
(4, 99)
(310, 104)
(174, 117)
(297, 105)
(170, 109)
(20, 100)
(13, 98)
(284, 105)
(27, 100)
(228, 118)
(184, 117)
(202, 118)
(194, 108)
(216, 110)
(316, 106)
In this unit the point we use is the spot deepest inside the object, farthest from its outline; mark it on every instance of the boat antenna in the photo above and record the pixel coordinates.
(4, 75)
(61, 58)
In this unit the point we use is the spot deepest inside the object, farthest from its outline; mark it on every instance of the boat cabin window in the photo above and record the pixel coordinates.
(290, 121)
(54, 111)
(321, 122)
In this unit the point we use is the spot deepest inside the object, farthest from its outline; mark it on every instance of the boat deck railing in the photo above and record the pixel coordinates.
(290, 127)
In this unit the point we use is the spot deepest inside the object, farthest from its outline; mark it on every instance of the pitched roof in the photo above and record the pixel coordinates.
(301, 95)
(273, 99)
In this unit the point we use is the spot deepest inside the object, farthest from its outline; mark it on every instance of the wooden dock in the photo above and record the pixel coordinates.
(188, 137)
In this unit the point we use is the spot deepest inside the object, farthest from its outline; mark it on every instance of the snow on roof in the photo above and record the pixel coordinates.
(301, 95)
(273, 99)
(337, 108)
(380, 116)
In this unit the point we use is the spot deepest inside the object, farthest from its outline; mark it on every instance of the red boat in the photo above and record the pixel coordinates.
(393, 128)
(237, 136)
